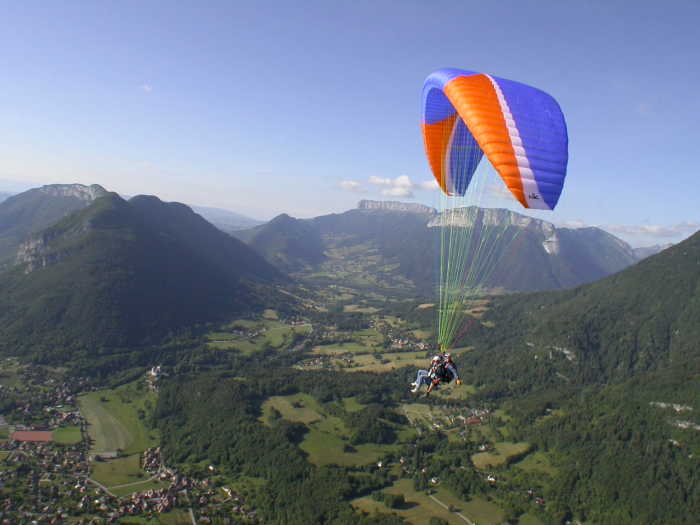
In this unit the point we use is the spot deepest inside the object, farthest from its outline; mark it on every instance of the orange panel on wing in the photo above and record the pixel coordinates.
(477, 103)
(437, 137)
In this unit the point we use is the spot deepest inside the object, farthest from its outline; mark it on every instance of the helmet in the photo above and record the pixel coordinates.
(437, 359)
(447, 356)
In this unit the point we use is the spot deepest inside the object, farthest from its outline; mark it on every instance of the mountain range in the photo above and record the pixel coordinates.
(396, 245)
(69, 250)
(120, 273)
(33, 210)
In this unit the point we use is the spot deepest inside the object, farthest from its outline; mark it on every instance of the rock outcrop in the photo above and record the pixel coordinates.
(409, 207)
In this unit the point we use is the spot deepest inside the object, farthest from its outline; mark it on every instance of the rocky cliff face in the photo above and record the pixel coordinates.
(34, 210)
(409, 207)
(78, 191)
(472, 216)
(37, 252)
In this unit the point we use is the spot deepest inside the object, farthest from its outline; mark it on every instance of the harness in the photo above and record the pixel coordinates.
(441, 373)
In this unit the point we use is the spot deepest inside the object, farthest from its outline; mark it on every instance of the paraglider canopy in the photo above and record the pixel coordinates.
(519, 128)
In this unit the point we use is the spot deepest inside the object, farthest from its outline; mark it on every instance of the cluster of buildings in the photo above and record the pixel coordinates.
(40, 398)
(151, 461)
(42, 482)
(45, 483)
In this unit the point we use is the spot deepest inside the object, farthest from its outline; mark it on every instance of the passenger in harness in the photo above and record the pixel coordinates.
(442, 370)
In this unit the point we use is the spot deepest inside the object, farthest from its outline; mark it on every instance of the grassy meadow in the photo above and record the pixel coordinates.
(116, 423)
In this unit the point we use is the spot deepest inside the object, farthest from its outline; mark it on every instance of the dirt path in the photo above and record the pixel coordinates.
(152, 478)
(101, 486)
(448, 510)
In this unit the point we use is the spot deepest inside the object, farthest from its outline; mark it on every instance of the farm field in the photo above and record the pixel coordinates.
(137, 486)
(116, 423)
(301, 408)
(269, 333)
(118, 471)
(537, 462)
(360, 309)
(387, 361)
(500, 455)
(420, 507)
(67, 435)
(342, 348)
(529, 519)
(113, 418)
(175, 517)
(326, 448)
(327, 438)
(106, 431)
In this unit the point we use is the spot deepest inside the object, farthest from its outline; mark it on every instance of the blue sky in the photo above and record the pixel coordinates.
(295, 107)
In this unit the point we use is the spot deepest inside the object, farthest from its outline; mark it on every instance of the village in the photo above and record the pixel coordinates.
(47, 464)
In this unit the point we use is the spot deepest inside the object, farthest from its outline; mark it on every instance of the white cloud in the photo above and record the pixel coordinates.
(351, 185)
(379, 181)
(398, 191)
(574, 224)
(401, 186)
(639, 230)
(430, 185)
(655, 230)
(402, 181)
(147, 87)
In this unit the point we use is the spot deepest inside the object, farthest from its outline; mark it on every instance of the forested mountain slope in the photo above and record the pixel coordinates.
(121, 273)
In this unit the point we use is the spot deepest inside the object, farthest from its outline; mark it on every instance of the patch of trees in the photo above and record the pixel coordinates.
(215, 418)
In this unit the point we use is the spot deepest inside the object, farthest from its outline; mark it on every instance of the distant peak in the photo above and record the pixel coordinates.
(283, 217)
(79, 191)
(410, 207)
(145, 198)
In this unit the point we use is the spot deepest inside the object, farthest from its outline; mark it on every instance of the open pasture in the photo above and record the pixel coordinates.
(67, 435)
(268, 333)
(326, 442)
(137, 486)
(502, 452)
(118, 471)
(116, 423)
(106, 431)
(342, 348)
(388, 361)
(537, 462)
(113, 418)
(476, 509)
(301, 408)
(420, 507)
(356, 308)
(326, 448)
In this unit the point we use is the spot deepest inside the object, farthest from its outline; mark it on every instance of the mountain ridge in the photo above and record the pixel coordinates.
(38, 208)
(120, 273)
(399, 245)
